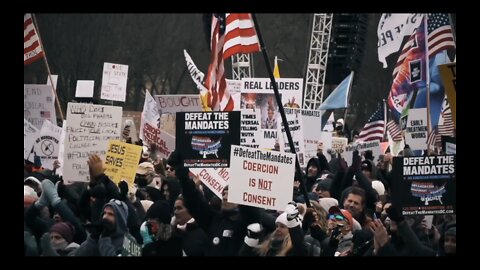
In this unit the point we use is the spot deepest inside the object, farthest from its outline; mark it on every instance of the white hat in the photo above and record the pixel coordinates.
(379, 187)
(340, 121)
(146, 204)
(282, 218)
(326, 203)
(28, 191)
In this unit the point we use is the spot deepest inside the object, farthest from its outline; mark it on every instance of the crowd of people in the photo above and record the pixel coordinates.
(169, 212)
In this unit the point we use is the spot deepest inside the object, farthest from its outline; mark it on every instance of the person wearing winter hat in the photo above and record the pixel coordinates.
(164, 241)
(29, 196)
(106, 239)
(323, 187)
(59, 242)
(34, 183)
(286, 240)
(340, 224)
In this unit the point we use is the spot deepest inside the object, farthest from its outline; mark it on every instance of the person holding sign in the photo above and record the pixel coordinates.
(225, 228)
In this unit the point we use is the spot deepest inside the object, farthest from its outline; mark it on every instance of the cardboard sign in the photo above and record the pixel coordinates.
(114, 81)
(121, 161)
(38, 104)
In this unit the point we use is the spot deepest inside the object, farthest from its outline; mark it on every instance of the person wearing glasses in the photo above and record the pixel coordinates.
(106, 238)
(339, 224)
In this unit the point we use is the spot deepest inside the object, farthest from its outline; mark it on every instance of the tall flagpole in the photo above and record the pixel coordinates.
(282, 111)
(348, 98)
(385, 119)
(427, 64)
(48, 68)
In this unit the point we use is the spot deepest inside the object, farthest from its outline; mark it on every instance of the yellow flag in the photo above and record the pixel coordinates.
(276, 72)
(204, 101)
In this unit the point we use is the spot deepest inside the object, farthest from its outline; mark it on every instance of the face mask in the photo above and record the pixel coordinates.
(108, 227)
(59, 244)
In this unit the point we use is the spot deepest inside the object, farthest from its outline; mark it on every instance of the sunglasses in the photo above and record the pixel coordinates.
(169, 168)
(336, 217)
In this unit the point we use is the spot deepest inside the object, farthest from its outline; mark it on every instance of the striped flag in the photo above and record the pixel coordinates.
(394, 130)
(445, 123)
(440, 36)
(433, 138)
(231, 33)
(374, 128)
(32, 50)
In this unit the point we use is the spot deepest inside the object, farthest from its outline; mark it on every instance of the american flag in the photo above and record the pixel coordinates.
(433, 137)
(45, 114)
(32, 50)
(231, 33)
(445, 123)
(374, 128)
(394, 130)
(440, 36)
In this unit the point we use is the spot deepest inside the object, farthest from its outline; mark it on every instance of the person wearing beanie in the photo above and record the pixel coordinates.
(59, 240)
(164, 241)
(448, 240)
(286, 240)
(106, 238)
(194, 238)
(323, 187)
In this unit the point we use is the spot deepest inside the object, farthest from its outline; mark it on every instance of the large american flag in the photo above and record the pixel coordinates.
(440, 35)
(374, 128)
(439, 38)
(32, 50)
(231, 33)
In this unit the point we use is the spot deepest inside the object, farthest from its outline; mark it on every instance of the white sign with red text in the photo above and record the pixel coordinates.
(261, 178)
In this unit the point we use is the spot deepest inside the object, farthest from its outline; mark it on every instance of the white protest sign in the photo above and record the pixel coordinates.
(169, 105)
(129, 122)
(54, 79)
(450, 148)
(47, 144)
(165, 145)
(311, 120)
(61, 148)
(114, 81)
(339, 145)
(89, 129)
(150, 115)
(38, 104)
(250, 134)
(326, 144)
(416, 132)
(30, 134)
(214, 178)
(362, 147)
(84, 88)
(261, 178)
(234, 87)
(294, 123)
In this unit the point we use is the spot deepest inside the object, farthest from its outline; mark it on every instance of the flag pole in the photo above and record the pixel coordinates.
(427, 64)
(385, 118)
(280, 107)
(46, 63)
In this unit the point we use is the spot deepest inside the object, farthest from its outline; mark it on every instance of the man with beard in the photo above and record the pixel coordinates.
(106, 239)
